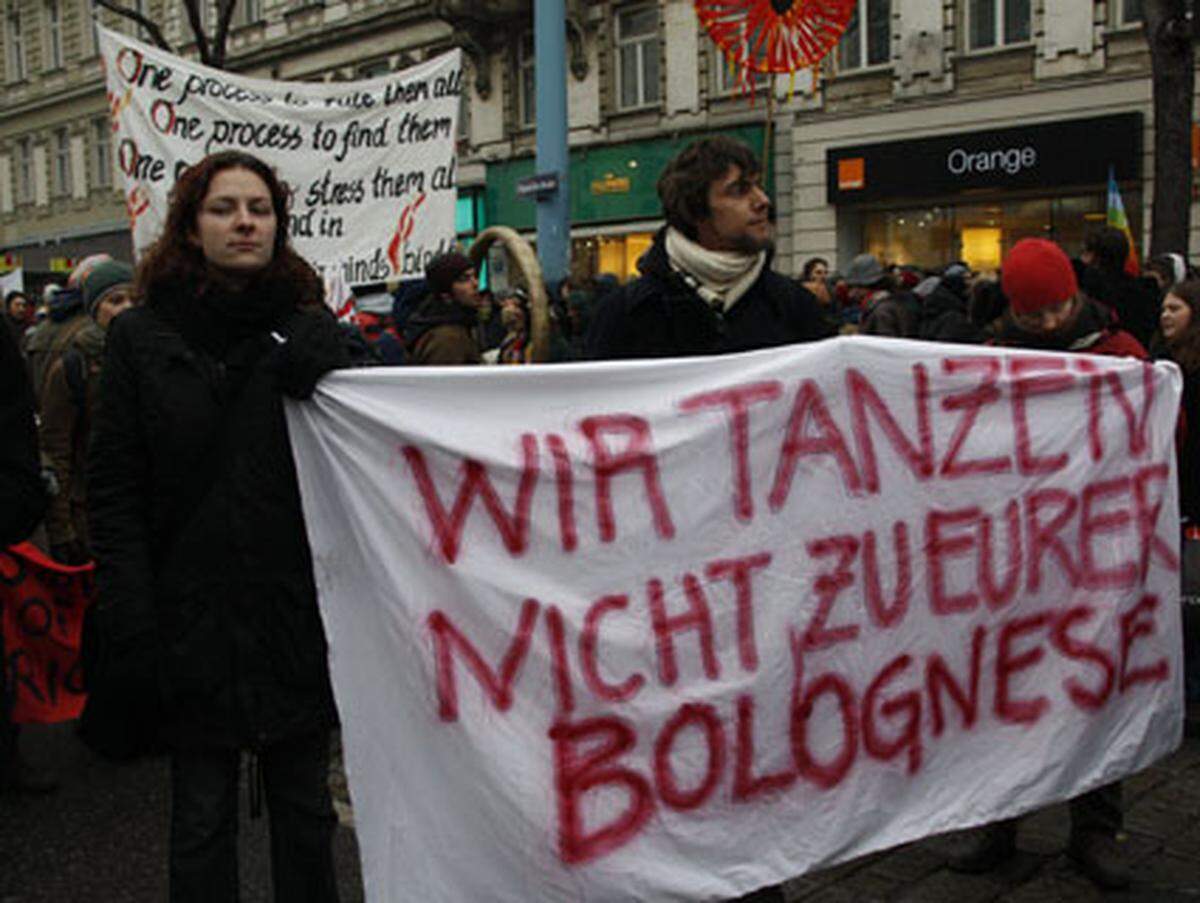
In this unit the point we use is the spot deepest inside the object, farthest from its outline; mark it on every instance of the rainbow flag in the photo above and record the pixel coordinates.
(1118, 220)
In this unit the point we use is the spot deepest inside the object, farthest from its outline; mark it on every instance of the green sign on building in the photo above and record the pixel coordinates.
(614, 183)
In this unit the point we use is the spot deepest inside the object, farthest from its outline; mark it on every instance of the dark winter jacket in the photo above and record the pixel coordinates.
(22, 497)
(1092, 333)
(1134, 301)
(441, 331)
(195, 511)
(659, 315)
(944, 317)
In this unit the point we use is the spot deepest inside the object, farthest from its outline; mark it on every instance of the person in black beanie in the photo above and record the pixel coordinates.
(443, 327)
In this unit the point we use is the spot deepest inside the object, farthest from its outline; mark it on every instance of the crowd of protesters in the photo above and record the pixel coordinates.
(158, 402)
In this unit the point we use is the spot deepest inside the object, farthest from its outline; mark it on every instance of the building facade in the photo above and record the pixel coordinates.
(936, 130)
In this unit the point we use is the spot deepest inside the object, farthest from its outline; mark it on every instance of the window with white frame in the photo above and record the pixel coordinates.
(637, 56)
(247, 12)
(89, 35)
(54, 35)
(24, 171)
(62, 162)
(464, 109)
(526, 80)
(728, 77)
(142, 7)
(15, 39)
(1131, 12)
(374, 69)
(868, 37)
(102, 151)
(994, 23)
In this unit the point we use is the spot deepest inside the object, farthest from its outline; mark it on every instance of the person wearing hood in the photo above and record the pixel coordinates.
(884, 309)
(1048, 311)
(68, 404)
(706, 284)
(1134, 300)
(442, 330)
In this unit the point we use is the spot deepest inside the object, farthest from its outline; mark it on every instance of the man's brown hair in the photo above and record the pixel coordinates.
(683, 185)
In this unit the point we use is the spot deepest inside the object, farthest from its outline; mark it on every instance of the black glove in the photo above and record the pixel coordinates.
(310, 346)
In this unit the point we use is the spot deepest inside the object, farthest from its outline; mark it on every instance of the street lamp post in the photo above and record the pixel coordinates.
(550, 77)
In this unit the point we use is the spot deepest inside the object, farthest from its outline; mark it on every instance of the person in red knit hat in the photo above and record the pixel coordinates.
(1047, 310)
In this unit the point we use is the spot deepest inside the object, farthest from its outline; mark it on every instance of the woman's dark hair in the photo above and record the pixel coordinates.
(811, 264)
(1185, 349)
(175, 260)
(683, 185)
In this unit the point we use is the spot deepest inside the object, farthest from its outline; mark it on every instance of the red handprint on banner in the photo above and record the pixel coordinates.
(136, 203)
(404, 229)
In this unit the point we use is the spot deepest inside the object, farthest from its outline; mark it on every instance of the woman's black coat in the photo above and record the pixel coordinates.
(197, 526)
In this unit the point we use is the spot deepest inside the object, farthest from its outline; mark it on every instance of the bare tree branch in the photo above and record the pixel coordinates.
(192, 7)
(224, 17)
(133, 15)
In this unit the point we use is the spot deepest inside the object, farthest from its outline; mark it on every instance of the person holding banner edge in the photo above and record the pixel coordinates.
(1049, 311)
(707, 286)
(204, 573)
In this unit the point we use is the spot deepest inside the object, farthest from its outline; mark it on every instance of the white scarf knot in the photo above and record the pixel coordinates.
(721, 278)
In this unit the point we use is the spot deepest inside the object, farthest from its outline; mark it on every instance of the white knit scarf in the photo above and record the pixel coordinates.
(719, 277)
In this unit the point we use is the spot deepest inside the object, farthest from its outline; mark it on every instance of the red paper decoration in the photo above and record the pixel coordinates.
(775, 35)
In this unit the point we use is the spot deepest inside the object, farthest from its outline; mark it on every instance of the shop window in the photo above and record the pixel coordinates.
(619, 254)
(102, 152)
(1131, 12)
(526, 81)
(62, 163)
(982, 233)
(15, 39)
(54, 36)
(637, 57)
(994, 23)
(868, 37)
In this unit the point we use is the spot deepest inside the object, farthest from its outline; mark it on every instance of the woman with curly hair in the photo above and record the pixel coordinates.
(1178, 339)
(204, 573)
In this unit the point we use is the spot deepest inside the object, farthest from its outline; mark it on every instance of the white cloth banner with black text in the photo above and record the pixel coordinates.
(680, 629)
(371, 163)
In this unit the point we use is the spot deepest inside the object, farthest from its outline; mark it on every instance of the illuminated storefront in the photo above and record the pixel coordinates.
(971, 196)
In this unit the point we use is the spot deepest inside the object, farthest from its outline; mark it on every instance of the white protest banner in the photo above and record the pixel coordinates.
(12, 281)
(679, 629)
(371, 163)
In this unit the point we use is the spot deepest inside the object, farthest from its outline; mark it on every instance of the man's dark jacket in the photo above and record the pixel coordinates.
(197, 526)
(22, 498)
(659, 315)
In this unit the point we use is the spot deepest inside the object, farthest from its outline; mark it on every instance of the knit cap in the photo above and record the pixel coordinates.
(1037, 274)
(445, 269)
(103, 278)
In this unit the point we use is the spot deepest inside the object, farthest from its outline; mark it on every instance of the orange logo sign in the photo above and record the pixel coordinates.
(852, 173)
